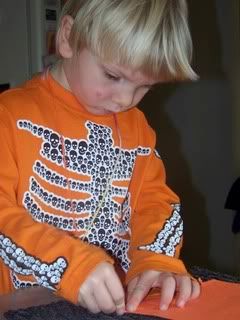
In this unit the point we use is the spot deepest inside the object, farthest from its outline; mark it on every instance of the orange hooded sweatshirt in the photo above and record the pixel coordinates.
(77, 189)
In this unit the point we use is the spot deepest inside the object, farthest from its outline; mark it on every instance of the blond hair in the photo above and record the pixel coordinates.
(149, 35)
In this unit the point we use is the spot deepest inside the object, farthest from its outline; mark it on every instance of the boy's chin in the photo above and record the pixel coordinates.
(99, 111)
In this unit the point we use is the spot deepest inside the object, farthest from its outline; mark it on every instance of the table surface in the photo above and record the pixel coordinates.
(37, 296)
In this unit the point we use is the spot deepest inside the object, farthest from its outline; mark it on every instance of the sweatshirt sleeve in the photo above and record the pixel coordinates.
(156, 223)
(35, 249)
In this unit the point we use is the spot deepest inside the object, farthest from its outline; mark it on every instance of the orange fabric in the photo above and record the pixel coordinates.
(55, 161)
(219, 300)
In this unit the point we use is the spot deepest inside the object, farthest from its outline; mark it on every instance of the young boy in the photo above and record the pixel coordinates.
(82, 187)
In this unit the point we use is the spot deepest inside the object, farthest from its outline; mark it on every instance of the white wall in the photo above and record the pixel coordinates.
(14, 55)
(23, 28)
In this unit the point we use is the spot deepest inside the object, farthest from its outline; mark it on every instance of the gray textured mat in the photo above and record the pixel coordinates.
(206, 274)
(63, 310)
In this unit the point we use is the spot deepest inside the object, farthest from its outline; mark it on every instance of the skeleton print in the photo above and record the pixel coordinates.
(104, 164)
(46, 274)
(170, 235)
(99, 165)
(18, 283)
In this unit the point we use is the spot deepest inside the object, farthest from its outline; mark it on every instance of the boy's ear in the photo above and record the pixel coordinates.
(62, 41)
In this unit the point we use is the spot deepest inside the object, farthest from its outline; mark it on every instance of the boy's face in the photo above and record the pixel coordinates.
(103, 88)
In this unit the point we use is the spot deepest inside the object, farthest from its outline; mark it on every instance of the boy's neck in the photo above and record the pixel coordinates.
(57, 72)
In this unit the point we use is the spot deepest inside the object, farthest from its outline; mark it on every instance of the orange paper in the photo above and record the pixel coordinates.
(219, 300)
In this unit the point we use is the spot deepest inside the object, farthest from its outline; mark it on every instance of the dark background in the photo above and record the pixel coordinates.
(196, 127)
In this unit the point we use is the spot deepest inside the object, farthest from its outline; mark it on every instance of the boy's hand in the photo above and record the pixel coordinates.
(182, 287)
(102, 291)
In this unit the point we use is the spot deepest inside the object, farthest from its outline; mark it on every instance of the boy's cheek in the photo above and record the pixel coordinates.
(99, 94)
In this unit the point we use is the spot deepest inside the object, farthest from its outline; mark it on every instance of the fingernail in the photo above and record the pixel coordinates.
(120, 312)
(163, 307)
(130, 308)
(181, 304)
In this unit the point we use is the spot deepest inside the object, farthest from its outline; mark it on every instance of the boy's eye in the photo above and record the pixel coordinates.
(111, 76)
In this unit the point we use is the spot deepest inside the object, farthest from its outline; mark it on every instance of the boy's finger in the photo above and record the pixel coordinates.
(104, 299)
(184, 291)
(141, 289)
(131, 286)
(196, 289)
(168, 287)
(88, 301)
(120, 306)
(116, 291)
